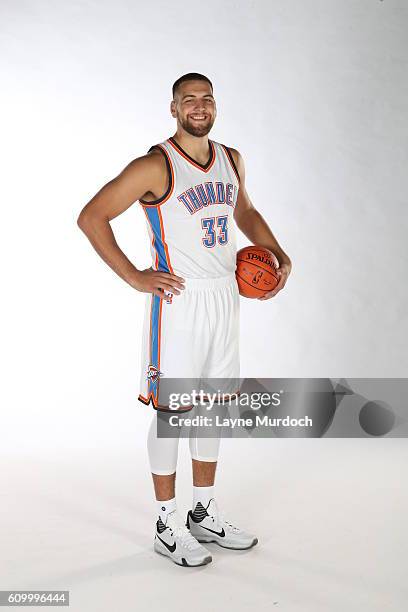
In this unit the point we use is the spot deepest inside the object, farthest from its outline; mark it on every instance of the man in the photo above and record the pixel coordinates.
(193, 192)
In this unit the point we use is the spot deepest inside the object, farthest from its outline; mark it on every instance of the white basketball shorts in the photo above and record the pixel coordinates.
(194, 335)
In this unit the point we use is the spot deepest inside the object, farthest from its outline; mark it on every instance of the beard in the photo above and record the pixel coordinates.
(197, 129)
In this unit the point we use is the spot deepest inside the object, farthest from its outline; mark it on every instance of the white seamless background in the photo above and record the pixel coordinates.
(314, 96)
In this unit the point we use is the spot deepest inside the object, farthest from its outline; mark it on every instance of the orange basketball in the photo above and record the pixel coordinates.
(256, 271)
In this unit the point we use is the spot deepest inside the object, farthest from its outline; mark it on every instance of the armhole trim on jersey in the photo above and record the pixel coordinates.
(170, 175)
(231, 160)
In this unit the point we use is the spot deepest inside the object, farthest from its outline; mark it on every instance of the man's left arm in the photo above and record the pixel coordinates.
(253, 225)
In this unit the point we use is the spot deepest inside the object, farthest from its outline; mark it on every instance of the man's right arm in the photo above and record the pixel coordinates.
(140, 176)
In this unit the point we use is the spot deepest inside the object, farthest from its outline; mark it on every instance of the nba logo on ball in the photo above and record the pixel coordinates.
(256, 271)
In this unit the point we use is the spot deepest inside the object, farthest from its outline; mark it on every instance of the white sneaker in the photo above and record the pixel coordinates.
(174, 540)
(208, 525)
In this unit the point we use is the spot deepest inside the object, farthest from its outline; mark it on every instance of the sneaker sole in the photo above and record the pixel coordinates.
(209, 540)
(183, 562)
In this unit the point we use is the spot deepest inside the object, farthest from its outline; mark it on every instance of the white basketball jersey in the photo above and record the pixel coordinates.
(191, 226)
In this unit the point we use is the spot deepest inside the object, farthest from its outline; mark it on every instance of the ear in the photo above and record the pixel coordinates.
(173, 108)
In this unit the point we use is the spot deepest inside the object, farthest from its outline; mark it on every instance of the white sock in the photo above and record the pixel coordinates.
(202, 495)
(165, 507)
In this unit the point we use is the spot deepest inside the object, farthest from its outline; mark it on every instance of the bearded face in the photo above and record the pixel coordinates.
(194, 107)
(197, 124)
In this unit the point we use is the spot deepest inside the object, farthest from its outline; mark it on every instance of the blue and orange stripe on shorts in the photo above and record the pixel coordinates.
(162, 263)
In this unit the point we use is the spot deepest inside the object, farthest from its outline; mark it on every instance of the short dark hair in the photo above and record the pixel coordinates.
(191, 76)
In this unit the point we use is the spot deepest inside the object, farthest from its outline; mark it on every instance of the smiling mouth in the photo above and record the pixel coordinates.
(198, 117)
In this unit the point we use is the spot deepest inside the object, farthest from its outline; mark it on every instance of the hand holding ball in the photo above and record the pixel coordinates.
(256, 271)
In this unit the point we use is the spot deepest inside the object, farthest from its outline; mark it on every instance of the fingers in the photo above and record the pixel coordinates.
(168, 288)
(159, 282)
(278, 287)
(268, 295)
(159, 294)
(170, 279)
(164, 283)
(282, 280)
(179, 279)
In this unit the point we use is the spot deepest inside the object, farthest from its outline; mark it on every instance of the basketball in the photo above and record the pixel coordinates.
(256, 271)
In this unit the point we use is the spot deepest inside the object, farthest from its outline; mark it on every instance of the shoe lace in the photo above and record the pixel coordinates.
(225, 521)
(221, 519)
(181, 533)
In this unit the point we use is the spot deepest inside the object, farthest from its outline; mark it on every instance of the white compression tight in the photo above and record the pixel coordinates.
(163, 452)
